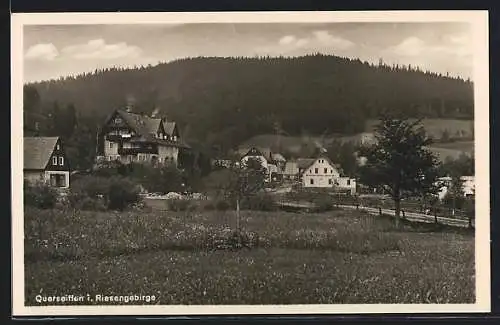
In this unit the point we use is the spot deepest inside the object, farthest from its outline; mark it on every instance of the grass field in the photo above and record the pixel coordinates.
(335, 257)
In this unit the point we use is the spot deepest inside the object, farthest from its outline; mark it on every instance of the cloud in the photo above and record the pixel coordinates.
(288, 39)
(45, 51)
(316, 41)
(453, 45)
(447, 54)
(327, 39)
(98, 49)
(411, 46)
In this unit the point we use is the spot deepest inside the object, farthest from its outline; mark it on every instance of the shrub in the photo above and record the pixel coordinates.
(98, 193)
(40, 195)
(82, 201)
(122, 193)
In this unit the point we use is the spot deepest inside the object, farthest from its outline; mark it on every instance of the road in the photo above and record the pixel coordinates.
(412, 216)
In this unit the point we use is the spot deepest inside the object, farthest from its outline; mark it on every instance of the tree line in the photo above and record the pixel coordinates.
(225, 101)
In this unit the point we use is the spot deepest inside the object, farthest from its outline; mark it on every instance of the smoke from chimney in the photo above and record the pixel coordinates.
(155, 112)
(130, 102)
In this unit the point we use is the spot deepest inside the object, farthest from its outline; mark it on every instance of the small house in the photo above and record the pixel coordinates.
(45, 160)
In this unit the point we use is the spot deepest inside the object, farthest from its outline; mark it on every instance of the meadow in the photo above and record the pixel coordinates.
(334, 257)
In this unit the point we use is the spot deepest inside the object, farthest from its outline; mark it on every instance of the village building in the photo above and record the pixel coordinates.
(268, 162)
(322, 173)
(45, 161)
(467, 183)
(134, 137)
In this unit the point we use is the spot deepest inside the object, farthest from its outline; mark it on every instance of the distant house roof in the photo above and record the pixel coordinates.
(37, 151)
(278, 157)
(257, 151)
(291, 168)
(303, 163)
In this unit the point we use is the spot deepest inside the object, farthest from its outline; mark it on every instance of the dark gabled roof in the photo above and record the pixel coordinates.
(265, 152)
(142, 125)
(37, 151)
(169, 128)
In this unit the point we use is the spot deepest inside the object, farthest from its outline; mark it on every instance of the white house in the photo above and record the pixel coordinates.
(468, 186)
(322, 173)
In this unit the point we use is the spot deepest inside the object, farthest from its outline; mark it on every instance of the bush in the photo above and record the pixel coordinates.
(122, 193)
(98, 193)
(82, 201)
(40, 195)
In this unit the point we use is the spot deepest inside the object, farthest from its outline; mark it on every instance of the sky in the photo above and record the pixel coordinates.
(52, 51)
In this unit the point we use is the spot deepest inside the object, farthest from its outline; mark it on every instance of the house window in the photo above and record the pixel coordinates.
(118, 120)
(58, 147)
(348, 182)
(312, 181)
(330, 181)
(331, 171)
(54, 161)
(315, 170)
(326, 170)
(61, 161)
(111, 145)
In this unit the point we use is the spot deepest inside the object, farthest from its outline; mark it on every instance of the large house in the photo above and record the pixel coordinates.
(134, 137)
(45, 161)
(320, 172)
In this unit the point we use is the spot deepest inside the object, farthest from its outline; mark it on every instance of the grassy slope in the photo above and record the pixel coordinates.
(338, 257)
(434, 127)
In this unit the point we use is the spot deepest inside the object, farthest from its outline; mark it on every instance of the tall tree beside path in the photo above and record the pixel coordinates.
(399, 162)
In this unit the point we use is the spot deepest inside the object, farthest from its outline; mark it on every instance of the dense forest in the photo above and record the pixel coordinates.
(224, 101)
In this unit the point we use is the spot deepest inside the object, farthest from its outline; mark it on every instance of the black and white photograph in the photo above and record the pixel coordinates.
(251, 162)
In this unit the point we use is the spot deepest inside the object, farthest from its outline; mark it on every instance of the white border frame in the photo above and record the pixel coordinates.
(479, 23)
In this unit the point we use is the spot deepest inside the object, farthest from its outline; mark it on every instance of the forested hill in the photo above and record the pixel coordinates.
(227, 100)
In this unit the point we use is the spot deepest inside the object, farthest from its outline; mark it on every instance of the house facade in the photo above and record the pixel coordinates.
(322, 173)
(45, 161)
(132, 137)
